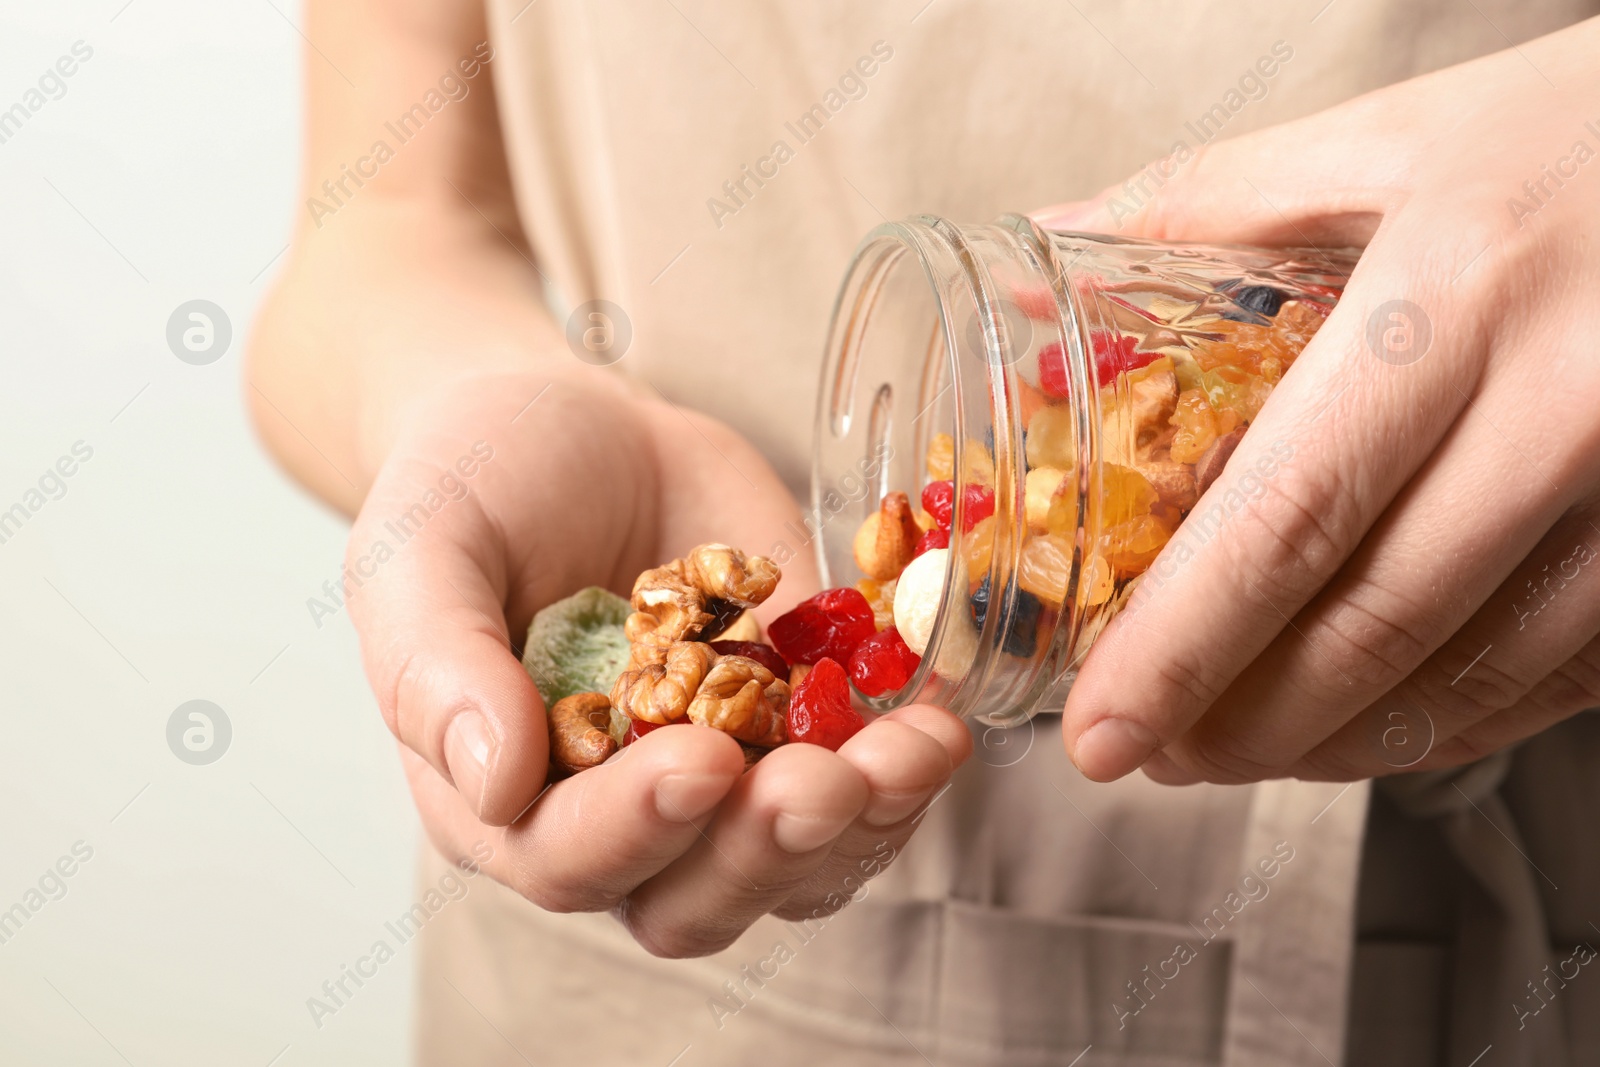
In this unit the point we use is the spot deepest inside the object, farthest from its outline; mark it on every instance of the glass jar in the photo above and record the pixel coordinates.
(1096, 385)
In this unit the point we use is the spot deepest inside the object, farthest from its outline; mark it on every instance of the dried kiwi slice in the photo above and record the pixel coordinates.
(577, 645)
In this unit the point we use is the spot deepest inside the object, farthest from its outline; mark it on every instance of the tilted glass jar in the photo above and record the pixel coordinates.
(1095, 384)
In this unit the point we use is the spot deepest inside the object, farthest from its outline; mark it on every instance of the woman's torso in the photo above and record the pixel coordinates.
(708, 168)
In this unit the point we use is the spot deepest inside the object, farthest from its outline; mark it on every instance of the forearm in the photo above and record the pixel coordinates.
(403, 275)
(365, 324)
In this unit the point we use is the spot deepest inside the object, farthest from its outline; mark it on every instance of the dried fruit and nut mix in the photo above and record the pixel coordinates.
(685, 649)
(1176, 353)
(1111, 440)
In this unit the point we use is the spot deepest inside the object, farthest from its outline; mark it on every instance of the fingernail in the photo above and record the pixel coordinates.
(1062, 219)
(686, 797)
(467, 743)
(802, 833)
(886, 808)
(1112, 748)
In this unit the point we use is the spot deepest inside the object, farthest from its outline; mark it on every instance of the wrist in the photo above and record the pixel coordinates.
(391, 301)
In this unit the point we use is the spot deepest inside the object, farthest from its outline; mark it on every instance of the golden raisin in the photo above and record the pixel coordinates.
(1050, 438)
(1096, 585)
(941, 460)
(1130, 547)
(1124, 494)
(977, 545)
(1062, 518)
(1045, 567)
(1196, 424)
(977, 468)
(1039, 490)
(880, 597)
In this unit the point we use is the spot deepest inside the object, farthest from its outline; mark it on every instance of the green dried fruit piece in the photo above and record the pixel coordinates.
(577, 645)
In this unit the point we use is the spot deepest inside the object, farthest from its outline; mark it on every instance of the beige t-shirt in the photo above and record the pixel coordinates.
(709, 167)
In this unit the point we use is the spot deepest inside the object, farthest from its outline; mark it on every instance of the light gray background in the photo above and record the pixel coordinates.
(176, 567)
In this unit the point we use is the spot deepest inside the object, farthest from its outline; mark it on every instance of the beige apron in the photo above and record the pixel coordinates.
(1035, 917)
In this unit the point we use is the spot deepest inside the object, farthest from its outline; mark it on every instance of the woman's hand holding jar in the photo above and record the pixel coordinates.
(1412, 590)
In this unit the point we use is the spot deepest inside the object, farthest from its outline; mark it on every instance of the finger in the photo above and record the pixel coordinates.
(1067, 215)
(1297, 183)
(1338, 439)
(1534, 626)
(1418, 577)
(1572, 688)
(906, 757)
(591, 839)
(775, 828)
(437, 653)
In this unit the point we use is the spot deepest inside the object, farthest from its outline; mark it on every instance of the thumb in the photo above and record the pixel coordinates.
(436, 650)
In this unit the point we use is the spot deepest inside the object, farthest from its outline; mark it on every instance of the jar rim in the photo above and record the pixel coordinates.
(972, 311)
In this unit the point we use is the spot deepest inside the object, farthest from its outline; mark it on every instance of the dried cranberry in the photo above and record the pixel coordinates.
(1114, 354)
(637, 728)
(939, 500)
(832, 624)
(820, 711)
(1117, 354)
(977, 504)
(763, 654)
(1053, 378)
(931, 539)
(883, 663)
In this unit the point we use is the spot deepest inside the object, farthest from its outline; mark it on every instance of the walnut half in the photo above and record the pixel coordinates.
(697, 597)
(741, 698)
(660, 692)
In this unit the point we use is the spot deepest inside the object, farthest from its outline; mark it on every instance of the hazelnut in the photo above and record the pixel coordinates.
(1208, 468)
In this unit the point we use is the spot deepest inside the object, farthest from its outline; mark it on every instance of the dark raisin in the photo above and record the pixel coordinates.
(1022, 633)
(988, 439)
(1262, 299)
(722, 613)
(980, 602)
(1021, 625)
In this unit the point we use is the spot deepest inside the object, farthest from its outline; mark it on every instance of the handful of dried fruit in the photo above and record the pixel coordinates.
(684, 648)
